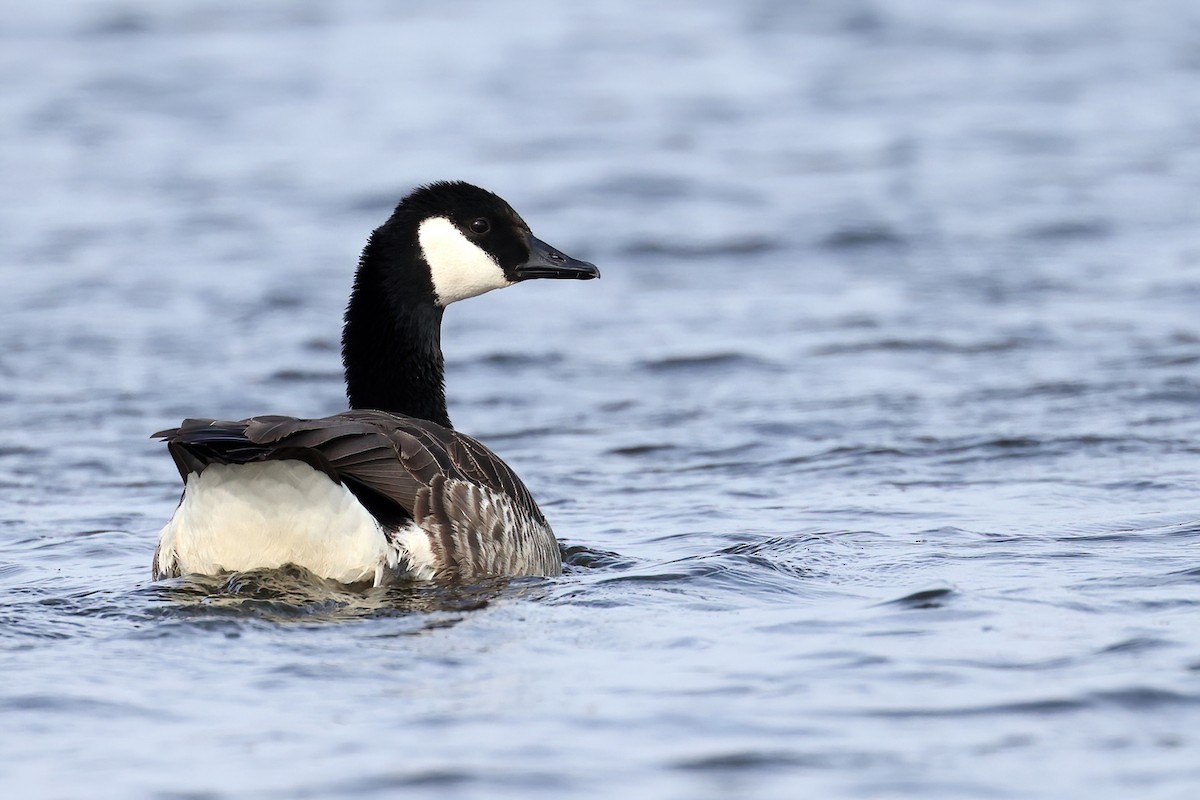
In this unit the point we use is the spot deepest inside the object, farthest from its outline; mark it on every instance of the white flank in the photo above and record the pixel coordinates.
(236, 517)
(459, 267)
(415, 543)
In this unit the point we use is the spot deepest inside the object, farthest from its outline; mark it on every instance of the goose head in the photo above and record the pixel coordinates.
(471, 241)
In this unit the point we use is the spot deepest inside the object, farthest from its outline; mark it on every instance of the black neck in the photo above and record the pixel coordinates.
(392, 340)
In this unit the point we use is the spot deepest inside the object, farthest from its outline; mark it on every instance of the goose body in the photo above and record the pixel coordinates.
(387, 490)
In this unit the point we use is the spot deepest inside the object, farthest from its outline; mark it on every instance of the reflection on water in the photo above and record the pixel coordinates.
(293, 594)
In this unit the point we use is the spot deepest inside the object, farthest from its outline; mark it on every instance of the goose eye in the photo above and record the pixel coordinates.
(480, 225)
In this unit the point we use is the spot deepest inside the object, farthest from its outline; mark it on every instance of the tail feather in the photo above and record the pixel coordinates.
(199, 442)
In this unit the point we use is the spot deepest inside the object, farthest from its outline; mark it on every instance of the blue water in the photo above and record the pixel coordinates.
(875, 454)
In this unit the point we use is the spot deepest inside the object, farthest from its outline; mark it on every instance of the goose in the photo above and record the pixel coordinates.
(388, 490)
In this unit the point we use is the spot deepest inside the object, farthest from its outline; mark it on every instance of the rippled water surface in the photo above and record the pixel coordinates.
(875, 455)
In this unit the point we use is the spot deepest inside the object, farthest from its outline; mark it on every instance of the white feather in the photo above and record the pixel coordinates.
(422, 564)
(236, 517)
(459, 267)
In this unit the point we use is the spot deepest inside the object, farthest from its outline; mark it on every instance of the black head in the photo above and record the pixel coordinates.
(472, 241)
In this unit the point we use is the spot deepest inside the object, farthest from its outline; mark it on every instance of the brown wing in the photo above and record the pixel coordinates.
(480, 518)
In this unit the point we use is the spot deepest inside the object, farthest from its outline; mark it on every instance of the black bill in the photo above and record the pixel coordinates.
(548, 262)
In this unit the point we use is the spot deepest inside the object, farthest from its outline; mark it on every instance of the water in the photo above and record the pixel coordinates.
(874, 453)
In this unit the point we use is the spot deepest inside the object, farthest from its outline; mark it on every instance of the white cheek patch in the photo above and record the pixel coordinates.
(459, 268)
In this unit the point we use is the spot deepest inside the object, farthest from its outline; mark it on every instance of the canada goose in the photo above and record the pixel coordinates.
(388, 489)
